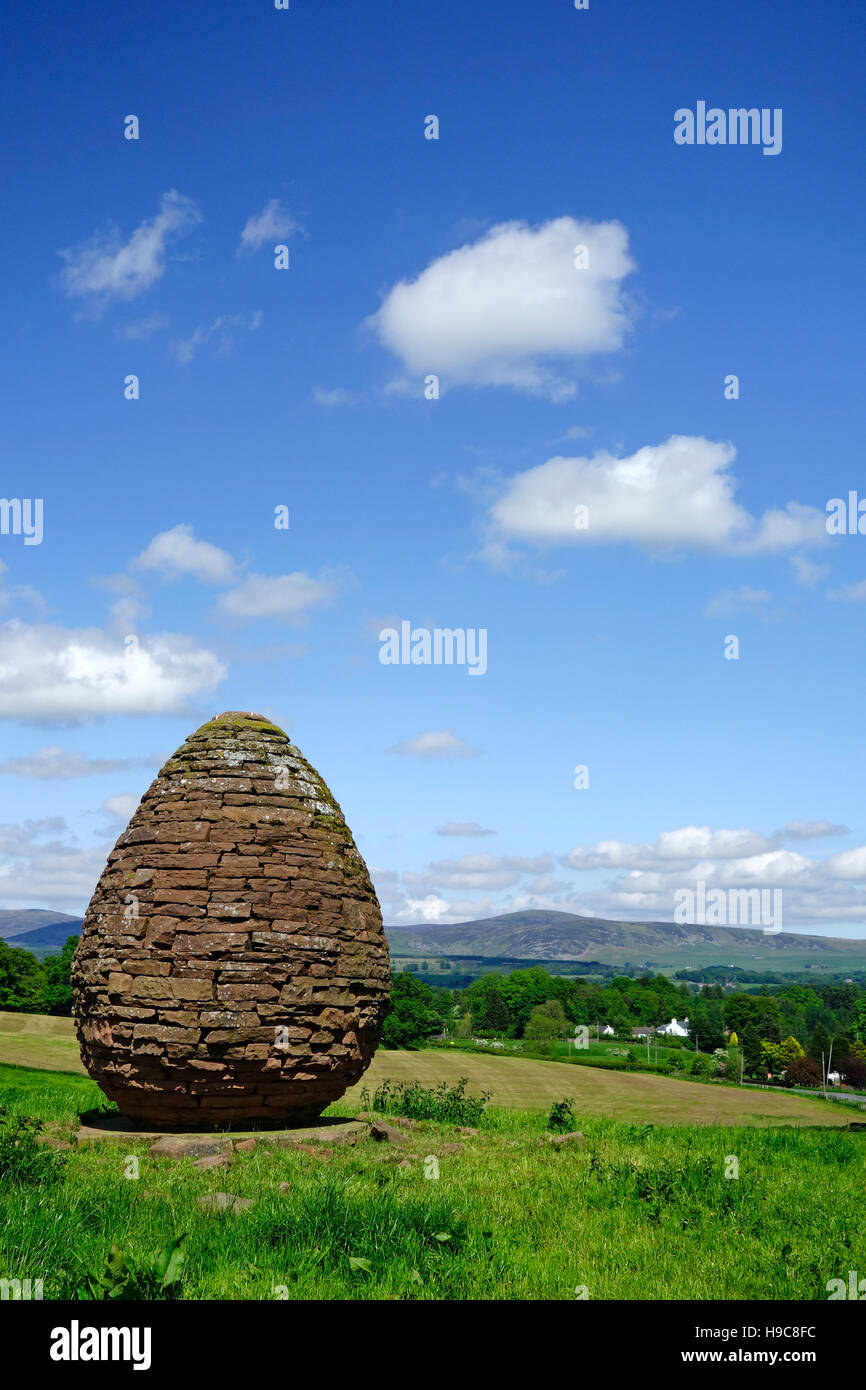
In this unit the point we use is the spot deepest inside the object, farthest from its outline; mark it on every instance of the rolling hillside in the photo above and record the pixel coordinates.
(18, 922)
(36, 930)
(561, 936)
(549, 936)
(48, 1045)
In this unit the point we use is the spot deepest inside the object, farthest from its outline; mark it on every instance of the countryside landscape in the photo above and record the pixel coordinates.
(550, 1165)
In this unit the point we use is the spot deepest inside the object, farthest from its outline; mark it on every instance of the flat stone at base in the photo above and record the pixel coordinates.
(196, 1146)
(345, 1133)
(97, 1128)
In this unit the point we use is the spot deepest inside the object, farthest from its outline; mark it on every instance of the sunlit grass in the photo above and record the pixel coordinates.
(637, 1211)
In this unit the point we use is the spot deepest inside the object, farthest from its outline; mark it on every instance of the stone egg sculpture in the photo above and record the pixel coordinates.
(232, 966)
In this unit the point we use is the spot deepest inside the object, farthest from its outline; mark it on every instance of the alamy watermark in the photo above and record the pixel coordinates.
(22, 516)
(21, 1289)
(77, 1343)
(438, 646)
(846, 517)
(854, 1289)
(729, 907)
(736, 126)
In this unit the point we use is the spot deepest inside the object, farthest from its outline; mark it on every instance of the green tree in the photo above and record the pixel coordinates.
(21, 979)
(415, 1012)
(750, 1042)
(493, 1017)
(522, 990)
(547, 1022)
(705, 1025)
(759, 1009)
(777, 1056)
(56, 987)
(819, 1043)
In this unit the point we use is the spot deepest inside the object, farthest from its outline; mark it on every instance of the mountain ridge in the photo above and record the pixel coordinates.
(539, 934)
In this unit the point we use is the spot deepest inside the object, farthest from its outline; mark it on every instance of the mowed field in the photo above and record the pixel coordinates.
(35, 1040)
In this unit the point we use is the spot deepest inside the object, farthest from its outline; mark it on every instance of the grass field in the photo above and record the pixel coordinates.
(634, 1212)
(36, 1040)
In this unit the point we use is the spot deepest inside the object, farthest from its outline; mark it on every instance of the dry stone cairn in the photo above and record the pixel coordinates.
(232, 966)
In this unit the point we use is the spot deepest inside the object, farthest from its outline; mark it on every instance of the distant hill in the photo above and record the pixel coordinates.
(549, 936)
(542, 935)
(36, 930)
(16, 921)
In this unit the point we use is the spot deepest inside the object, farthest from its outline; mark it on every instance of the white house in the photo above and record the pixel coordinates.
(675, 1029)
(607, 1031)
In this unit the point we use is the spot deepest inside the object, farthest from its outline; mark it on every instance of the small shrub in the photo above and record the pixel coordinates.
(24, 1162)
(156, 1279)
(853, 1072)
(561, 1117)
(803, 1072)
(449, 1104)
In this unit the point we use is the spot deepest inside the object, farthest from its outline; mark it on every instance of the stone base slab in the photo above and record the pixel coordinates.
(99, 1128)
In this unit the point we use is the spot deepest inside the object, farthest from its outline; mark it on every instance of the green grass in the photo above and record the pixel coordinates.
(37, 1041)
(634, 1097)
(638, 1212)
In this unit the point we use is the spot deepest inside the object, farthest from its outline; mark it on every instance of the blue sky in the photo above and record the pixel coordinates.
(305, 388)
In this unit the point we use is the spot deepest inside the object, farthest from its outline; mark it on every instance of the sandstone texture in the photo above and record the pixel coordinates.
(232, 966)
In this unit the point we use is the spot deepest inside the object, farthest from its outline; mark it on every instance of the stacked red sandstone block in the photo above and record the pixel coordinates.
(233, 964)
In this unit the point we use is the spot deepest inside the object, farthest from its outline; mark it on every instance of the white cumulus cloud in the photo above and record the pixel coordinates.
(52, 672)
(176, 553)
(675, 495)
(497, 311)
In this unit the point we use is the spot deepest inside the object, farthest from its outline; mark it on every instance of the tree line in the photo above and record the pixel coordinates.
(801, 1026)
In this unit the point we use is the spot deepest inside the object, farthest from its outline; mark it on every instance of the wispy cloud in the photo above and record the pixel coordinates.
(220, 333)
(849, 593)
(337, 396)
(108, 269)
(177, 553)
(120, 808)
(463, 828)
(140, 329)
(289, 597)
(273, 224)
(745, 599)
(435, 743)
(61, 765)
